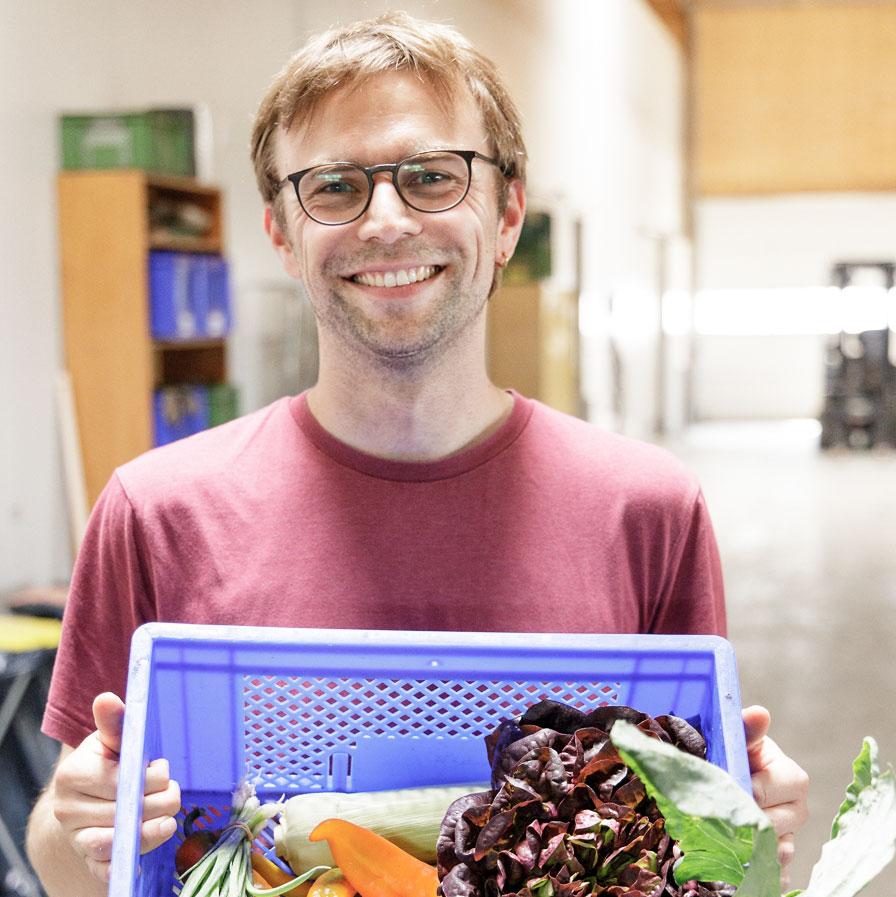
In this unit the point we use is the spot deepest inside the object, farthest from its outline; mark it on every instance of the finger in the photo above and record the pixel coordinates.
(108, 715)
(786, 849)
(787, 819)
(157, 776)
(780, 781)
(100, 870)
(756, 722)
(85, 813)
(85, 773)
(94, 843)
(155, 832)
(162, 803)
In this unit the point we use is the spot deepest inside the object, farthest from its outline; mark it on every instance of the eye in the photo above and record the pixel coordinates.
(424, 176)
(329, 183)
(437, 175)
(332, 184)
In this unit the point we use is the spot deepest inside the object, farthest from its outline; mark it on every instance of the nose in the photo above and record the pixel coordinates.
(387, 218)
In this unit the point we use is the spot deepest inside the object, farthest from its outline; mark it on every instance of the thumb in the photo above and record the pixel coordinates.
(756, 722)
(108, 715)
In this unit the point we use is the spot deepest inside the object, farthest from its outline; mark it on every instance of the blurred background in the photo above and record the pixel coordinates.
(708, 264)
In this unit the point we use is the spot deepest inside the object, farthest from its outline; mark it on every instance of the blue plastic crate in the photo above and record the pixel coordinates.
(298, 710)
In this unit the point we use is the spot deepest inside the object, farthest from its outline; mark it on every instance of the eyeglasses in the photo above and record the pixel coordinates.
(340, 192)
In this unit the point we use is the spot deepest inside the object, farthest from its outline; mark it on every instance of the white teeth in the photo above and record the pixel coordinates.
(399, 278)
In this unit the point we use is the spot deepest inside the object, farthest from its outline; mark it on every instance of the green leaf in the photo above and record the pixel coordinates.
(864, 771)
(763, 874)
(722, 832)
(865, 831)
(285, 888)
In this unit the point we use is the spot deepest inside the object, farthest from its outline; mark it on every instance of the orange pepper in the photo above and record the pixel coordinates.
(375, 866)
(275, 876)
(332, 884)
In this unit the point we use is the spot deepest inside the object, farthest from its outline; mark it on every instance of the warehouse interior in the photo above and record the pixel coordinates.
(709, 265)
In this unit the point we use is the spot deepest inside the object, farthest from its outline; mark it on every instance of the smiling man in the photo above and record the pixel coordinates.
(404, 490)
(397, 259)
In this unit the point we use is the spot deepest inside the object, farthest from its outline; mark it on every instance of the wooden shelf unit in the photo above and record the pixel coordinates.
(105, 236)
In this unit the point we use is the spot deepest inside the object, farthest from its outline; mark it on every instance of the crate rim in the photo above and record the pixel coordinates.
(148, 633)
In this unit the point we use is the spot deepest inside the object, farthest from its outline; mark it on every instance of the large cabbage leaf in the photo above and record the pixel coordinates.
(721, 831)
(863, 836)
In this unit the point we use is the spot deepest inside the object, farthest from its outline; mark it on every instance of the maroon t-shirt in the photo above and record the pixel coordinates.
(548, 525)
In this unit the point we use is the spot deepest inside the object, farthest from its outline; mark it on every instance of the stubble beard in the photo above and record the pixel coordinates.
(400, 338)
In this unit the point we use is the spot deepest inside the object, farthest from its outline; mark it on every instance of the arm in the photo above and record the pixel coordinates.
(69, 839)
(780, 786)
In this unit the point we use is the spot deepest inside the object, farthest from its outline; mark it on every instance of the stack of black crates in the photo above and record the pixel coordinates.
(860, 378)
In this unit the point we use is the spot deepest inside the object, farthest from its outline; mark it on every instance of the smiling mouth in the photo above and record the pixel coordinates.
(397, 278)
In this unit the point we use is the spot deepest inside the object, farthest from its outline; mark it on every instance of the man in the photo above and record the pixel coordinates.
(404, 490)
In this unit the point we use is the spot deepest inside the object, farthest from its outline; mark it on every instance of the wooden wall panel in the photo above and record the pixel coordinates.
(794, 97)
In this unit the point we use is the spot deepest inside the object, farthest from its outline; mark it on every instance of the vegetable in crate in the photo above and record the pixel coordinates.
(196, 843)
(565, 815)
(717, 824)
(535, 835)
(375, 866)
(226, 870)
(409, 817)
(332, 884)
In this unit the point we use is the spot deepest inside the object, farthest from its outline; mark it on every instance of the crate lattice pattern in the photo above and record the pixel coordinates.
(293, 724)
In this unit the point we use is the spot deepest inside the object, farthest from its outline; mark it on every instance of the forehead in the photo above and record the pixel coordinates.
(381, 119)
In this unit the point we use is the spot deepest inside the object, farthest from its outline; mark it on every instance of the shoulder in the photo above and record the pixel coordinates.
(210, 459)
(586, 453)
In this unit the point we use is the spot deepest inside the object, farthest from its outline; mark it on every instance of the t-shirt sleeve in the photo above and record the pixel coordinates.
(692, 601)
(108, 599)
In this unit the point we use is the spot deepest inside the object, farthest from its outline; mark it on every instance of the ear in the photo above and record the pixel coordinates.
(281, 244)
(511, 222)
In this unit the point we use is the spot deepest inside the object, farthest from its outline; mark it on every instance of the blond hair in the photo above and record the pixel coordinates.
(346, 56)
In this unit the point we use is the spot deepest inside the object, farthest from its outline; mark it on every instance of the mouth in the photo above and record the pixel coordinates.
(396, 277)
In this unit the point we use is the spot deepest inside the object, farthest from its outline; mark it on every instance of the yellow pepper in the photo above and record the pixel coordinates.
(332, 884)
(275, 876)
(375, 866)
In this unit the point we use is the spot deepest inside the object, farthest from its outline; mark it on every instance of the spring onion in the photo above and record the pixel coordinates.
(226, 870)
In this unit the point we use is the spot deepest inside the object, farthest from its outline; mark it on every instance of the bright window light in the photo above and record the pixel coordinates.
(803, 310)
(677, 312)
(864, 308)
(767, 311)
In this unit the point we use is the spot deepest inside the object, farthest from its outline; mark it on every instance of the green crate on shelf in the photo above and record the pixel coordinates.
(156, 140)
(223, 403)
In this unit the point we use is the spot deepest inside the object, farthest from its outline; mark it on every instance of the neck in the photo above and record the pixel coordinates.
(408, 413)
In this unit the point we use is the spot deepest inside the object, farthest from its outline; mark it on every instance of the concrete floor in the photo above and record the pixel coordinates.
(808, 546)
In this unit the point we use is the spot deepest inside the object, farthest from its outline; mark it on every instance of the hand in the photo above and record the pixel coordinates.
(84, 792)
(780, 786)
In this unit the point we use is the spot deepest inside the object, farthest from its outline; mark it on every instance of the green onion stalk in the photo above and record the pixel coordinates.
(226, 870)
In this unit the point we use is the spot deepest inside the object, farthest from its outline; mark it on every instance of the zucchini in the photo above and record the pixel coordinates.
(409, 817)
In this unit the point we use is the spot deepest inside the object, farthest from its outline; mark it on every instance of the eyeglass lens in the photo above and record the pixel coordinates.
(428, 182)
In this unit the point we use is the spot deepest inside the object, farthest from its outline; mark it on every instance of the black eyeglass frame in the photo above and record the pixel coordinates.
(467, 155)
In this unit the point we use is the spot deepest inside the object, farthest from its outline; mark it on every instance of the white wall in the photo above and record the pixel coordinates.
(774, 242)
(41, 69)
(603, 133)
